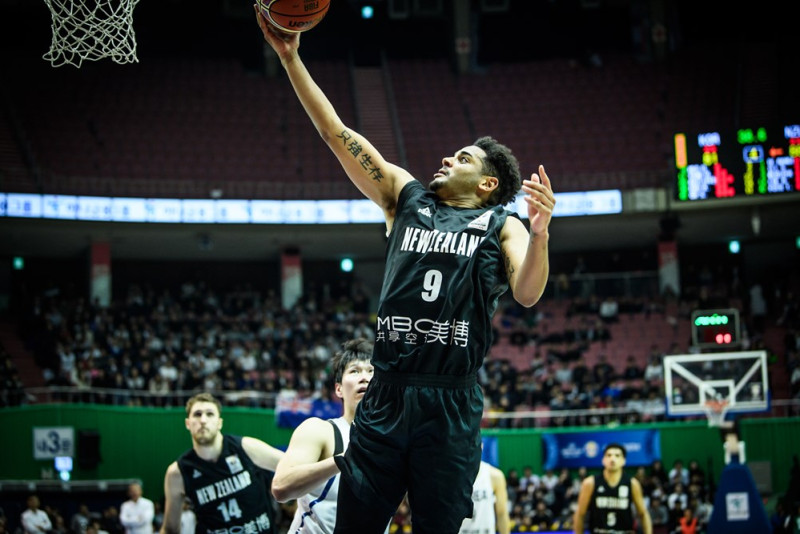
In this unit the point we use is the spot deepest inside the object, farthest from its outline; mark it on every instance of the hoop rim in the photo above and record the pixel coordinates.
(716, 410)
(717, 405)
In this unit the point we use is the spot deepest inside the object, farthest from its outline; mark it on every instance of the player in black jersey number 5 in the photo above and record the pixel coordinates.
(222, 475)
(608, 499)
(453, 250)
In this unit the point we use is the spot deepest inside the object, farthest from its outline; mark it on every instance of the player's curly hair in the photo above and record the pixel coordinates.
(502, 164)
(354, 349)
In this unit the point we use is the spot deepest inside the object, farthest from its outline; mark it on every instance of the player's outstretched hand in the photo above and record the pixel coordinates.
(283, 43)
(540, 199)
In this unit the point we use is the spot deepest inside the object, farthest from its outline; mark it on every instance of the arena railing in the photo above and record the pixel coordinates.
(522, 417)
(126, 397)
(613, 415)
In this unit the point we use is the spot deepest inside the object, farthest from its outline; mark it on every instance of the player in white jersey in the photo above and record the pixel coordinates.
(489, 503)
(307, 472)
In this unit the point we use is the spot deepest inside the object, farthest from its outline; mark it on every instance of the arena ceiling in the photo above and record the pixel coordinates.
(164, 27)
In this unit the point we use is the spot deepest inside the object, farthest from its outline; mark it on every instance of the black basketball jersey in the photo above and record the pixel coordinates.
(610, 509)
(231, 495)
(444, 275)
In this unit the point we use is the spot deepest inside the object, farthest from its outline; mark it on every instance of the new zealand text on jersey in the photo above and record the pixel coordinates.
(224, 487)
(423, 241)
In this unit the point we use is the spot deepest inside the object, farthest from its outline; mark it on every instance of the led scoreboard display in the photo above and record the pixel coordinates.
(715, 328)
(745, 163)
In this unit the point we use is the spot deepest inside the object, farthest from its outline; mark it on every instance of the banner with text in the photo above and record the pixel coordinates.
(52, 441)
(585, 449)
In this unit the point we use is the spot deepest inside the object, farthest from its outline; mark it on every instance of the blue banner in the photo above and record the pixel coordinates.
(490, 454)
(291, 411)
(585, 449)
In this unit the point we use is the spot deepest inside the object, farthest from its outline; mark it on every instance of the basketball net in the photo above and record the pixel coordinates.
(716, 411)
(91, 30)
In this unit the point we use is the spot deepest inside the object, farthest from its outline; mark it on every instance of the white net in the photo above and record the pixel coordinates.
(91, 30)
(716, 410)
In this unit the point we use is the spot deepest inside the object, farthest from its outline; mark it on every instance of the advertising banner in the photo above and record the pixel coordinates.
(585, 449)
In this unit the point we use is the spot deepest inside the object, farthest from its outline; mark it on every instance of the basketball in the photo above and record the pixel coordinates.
(294, 16)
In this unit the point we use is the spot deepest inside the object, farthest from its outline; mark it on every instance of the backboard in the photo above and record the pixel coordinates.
(707, 384)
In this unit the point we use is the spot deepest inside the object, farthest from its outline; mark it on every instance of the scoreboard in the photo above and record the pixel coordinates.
(715, 328)
(737, 164)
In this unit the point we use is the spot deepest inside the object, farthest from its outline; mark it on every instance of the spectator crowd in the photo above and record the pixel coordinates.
(158, 346)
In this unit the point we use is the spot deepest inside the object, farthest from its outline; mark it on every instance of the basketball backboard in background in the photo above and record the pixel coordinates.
(716, 384)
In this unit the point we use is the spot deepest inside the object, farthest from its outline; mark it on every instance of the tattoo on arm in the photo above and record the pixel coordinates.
(366, 164)
(355, 148)
(509, 267)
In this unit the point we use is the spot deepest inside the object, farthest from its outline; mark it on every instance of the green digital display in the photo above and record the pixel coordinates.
(711, 320)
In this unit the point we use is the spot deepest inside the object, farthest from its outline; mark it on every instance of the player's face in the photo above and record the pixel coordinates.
(459, 173)
(204, 422)
(355, 380)
(613, 460)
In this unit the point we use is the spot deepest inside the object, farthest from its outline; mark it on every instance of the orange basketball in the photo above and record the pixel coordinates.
(294, 16)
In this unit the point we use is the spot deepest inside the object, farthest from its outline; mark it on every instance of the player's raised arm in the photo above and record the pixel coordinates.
(526, 252)
(377, 179)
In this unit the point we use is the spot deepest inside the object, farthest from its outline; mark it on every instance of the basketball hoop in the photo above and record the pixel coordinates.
(91, 30)
(716, 409)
